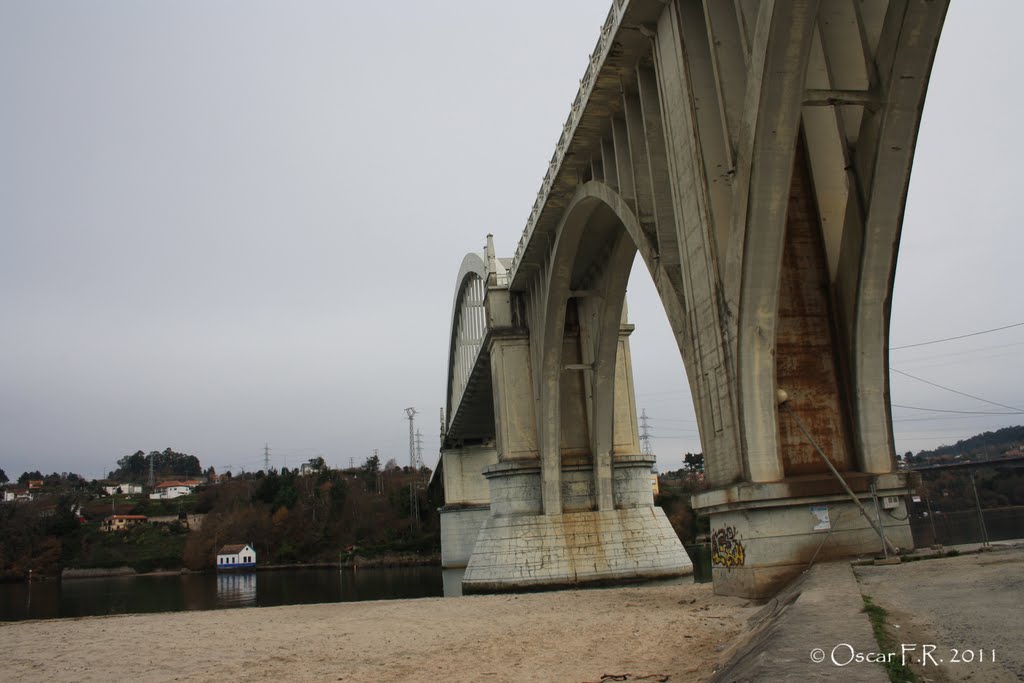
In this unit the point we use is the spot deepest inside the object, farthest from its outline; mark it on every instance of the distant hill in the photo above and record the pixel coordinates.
(980, 447)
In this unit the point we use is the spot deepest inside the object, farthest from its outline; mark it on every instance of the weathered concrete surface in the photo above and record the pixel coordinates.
(467, 500)
(970, 603)
(821, 609)
(764, 535)
(533, 551)
(459, 529)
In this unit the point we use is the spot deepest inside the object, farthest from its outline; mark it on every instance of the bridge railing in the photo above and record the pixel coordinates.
(597, 59)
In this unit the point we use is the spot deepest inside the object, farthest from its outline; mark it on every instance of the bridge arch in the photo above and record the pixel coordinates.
(599, 230)
(467, 329)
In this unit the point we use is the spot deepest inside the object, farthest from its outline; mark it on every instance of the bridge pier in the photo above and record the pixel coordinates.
(595, 521)
(467, 500)
(764, 535)
(521, 548)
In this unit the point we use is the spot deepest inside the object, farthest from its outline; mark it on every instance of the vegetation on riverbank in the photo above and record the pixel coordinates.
(316, 515)
(325, 516)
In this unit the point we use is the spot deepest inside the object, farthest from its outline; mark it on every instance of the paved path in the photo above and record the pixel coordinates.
(821, 614)
(969, 607)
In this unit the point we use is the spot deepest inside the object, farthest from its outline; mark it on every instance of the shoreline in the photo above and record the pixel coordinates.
(386, 561)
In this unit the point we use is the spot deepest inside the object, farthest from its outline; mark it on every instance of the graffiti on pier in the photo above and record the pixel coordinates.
(726, 549)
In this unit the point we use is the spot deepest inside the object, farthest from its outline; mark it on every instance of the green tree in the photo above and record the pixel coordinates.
(3, 477)
(29, 476)
(369, 472)
(132, 467)
(694, 462)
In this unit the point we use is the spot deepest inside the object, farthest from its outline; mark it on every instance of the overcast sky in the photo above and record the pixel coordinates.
(234, 223)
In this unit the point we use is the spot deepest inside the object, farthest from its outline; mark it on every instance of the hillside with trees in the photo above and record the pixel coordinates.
(319, 517)
(984, 446)
(307, 515)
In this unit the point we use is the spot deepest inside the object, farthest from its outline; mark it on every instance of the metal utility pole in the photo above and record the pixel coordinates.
(645, 434)
(414, 508)
(380, 473)
(931, 516)
(266, 458)
(419, 450)
(981, 515)
(411, 414)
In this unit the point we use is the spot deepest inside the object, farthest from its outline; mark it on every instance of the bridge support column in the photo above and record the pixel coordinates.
(515, 423)
(764, 535)
(466, 501)
(520, 548)
(522, 545)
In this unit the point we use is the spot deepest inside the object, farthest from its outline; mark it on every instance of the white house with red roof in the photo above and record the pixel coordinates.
(166, 490)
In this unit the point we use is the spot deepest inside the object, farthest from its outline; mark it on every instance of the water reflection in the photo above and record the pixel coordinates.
(174, 592)
(391, 583)
(236, 590)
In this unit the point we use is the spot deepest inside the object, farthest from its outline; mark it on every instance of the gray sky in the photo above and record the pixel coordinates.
(225, 224)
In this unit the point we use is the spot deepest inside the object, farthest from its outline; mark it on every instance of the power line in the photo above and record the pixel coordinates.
(939, 386)
(959, 412)
(966, 352)
(674, 392)
(962, 336)
(944, 418)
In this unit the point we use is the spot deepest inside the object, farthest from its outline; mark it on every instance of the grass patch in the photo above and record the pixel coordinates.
(898, 672)
(144, 548)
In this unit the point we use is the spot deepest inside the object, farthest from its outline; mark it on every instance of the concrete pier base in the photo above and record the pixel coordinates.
(549, 551)
(460, 525)
(521, 548)
(763, 535)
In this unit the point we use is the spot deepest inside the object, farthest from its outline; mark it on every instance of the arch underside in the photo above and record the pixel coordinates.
(694, 141)
(470, 409)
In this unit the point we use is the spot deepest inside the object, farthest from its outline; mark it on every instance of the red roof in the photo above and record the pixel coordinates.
(143, 517)
(231, 549)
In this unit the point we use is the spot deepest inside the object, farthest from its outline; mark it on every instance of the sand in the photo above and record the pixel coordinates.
(676, 633)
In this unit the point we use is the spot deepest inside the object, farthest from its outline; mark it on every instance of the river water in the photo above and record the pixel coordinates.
(175, 593)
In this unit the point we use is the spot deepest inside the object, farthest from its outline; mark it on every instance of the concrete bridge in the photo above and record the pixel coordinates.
(756, 154)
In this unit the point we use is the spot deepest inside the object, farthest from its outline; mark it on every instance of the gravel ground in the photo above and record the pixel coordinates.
(966, 606)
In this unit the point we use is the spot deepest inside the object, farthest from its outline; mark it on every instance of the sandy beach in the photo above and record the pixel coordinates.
(676, 633)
